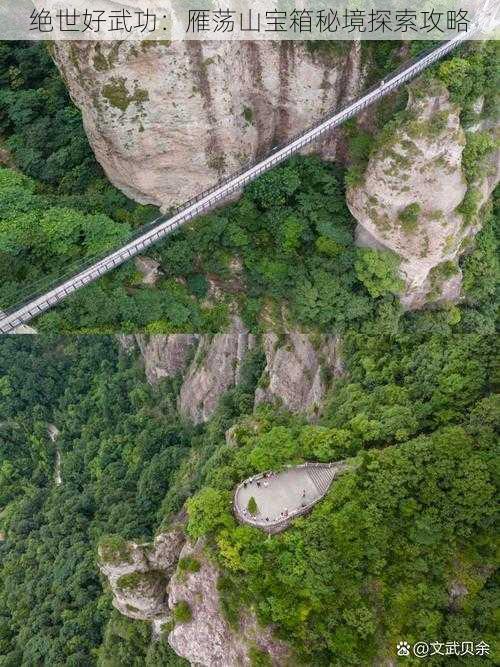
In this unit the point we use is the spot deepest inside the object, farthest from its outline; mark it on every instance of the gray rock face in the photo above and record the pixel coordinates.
(149, 269)
(155, 113)
(214, 369)
(420, 167)
(297, 370)
(207, 639)
(165, 356)
(138, 575)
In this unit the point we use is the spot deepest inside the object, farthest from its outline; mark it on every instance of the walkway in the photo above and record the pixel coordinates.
(283, 496)
(77, 276)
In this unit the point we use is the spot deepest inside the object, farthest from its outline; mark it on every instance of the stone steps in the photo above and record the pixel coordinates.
(321, 478)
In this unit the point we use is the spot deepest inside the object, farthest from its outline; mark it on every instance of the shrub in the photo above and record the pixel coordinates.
(189, 564)
(470, 205)
(135, 580)
(409, 217)
(377, 270)
(252, 506)
(258, 657)
(207, 511)
(182, 612)
(479, 144)
(114, 549)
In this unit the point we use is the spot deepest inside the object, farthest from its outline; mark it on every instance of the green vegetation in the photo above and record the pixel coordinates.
(472, 74)
(56, 207)
(252, 506)
(479, 145)
(258, 657)
(128, 642)
(114, 549)
(414, 413)
(182, 612)
(189, 564)
(117, 94)
(291, 233)
(377, 270)
(373, 562)
(377, 558)
(248, 115)
(282, 256)
(136, 580)
(121, 445)
(409, 217)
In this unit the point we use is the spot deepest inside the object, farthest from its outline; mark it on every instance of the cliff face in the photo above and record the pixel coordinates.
(410, 196)
(207, 638)
(149, 582)
(168, 120)
(297, 371)
(138, 575)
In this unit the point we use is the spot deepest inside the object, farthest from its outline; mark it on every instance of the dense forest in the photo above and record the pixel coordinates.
(373, 563)
(289, 241)
(120, 447)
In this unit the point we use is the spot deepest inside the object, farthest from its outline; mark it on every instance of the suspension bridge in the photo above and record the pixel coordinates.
(52, 292)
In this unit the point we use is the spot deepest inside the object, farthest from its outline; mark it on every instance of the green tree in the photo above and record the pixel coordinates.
(252, 506)
(377, 270)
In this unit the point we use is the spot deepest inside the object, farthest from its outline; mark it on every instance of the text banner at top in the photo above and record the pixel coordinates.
(175, 20)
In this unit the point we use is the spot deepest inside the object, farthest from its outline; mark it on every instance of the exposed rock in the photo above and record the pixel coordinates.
(138, 574)
(166, 356)
(155, 112)
(127, 342)
(54, 433)
(214, 369)
(25, 330)
(297, 370)
(299, 367)
(456, 595)
(408, 199)
(207, 639)
(149, 268)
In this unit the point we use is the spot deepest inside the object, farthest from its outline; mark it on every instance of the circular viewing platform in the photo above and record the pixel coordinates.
(271, 500)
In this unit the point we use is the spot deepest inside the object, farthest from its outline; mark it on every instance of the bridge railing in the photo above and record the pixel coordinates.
(32, 304)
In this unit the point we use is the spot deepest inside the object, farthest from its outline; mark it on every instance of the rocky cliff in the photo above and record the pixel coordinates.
(138, 574)
(207, 638)
(154, 581)
(298, 369)
(410, 197)
(168, 120)
(297, 372)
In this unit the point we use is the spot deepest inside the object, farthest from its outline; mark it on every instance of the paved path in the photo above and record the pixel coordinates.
(284, 495)
(46, 296)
